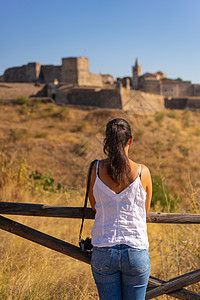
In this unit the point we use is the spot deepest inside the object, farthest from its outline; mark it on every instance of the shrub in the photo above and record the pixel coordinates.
(62, 113)
(18, 134)
(45, 182)
(172, 114)
(159, 117)
(82, 126)
(37, 103)
(2, 100)
(186, 118)
(22, 100)
(162, 196)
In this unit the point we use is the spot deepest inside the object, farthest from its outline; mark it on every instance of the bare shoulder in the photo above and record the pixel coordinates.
(146, 175)
(145, 170)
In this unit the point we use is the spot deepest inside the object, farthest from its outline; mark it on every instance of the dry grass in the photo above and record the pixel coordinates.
(48, 139)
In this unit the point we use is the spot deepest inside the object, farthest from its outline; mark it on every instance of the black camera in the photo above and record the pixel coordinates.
(86, 245)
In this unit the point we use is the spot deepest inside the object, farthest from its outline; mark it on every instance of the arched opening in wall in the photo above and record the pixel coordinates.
(53, 96)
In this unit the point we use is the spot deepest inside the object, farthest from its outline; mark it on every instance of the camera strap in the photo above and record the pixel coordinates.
(86, 196)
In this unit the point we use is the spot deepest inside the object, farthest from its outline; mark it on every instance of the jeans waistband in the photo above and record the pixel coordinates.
(119, 247)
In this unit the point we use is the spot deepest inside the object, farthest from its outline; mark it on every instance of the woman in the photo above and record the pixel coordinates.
(120, 193)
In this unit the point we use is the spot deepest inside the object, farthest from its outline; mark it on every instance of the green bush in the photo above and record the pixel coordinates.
(82, 126)
(2, 100)
(162, 196)
(159, 117)
(22, 100)
(45, 182)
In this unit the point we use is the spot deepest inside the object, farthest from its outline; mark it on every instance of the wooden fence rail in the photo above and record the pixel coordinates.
(40, 210)
(156, 287)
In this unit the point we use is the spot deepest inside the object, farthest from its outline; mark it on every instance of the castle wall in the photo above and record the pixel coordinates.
(69, 72)
(176, 88)
(140, 102)
(26, 73)
(49, 73)
(196, 89)
(169, 88)
(75, 70)
(193, 102)
(104, 98)
(185, 88)
(11, 91)
(150, 86)
(85, 78)
(107, 79)
(183, 102)
(91, 80)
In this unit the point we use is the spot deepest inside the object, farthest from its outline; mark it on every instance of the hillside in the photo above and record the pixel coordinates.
(63, 141)
(55, 146)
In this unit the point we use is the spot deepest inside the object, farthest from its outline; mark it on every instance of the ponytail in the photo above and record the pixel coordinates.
(118, 134)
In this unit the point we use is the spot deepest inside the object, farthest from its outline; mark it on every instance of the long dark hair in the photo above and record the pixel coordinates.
(118, 134)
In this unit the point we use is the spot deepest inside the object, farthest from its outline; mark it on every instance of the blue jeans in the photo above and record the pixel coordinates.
(120, 272)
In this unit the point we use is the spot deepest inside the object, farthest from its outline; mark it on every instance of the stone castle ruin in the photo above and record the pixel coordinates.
(158, 83)
(73, 83)
(74, 70)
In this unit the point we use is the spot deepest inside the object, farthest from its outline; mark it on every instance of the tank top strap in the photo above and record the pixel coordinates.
(97, 168)
(140, 171)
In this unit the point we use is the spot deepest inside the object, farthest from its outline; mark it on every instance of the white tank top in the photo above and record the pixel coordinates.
(120, 218)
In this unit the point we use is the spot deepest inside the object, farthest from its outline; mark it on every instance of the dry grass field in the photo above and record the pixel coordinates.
(56, 144)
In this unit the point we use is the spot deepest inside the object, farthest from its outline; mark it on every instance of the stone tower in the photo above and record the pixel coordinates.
(137, 72)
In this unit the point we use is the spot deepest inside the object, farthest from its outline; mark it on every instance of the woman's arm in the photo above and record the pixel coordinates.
(92, 180)
(147, 185)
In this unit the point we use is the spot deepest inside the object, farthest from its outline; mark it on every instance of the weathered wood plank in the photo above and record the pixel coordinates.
(182, 293)
(41, 210)
(172, 218)
(43, 239)
(73, 251)
(174, 284)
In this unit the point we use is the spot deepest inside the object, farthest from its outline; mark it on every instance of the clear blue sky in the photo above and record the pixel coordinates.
(164, 35)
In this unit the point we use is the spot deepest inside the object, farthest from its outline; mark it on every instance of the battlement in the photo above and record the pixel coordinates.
(74, 70)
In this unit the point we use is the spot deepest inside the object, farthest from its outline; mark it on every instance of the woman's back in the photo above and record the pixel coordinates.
(120, 192)
(108, 181)
(120, 215)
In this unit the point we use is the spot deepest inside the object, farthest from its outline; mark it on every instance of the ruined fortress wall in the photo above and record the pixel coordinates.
(193, 102)
(150, 86)
(85, 78)
(185, 88)
(141, 102)
(176, 88)
(11, 91)
(183, 103)
(104, 98)
(26, 73)
(196, 89)
(49, 73)
(75, 70)
(69, 72)
(91, 80)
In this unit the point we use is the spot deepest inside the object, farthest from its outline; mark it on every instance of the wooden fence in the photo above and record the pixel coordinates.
(156, 287)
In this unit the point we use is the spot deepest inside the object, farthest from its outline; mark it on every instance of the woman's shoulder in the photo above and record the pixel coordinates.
(136, 165)
(144, 168)
(145, 172)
